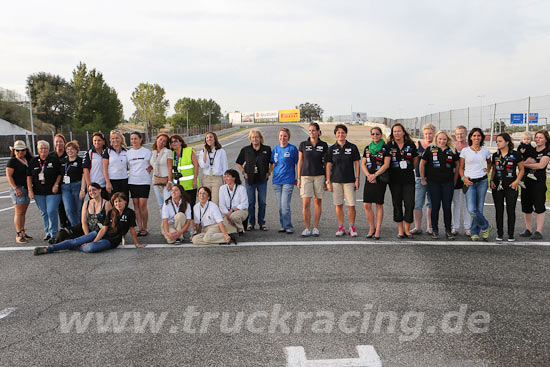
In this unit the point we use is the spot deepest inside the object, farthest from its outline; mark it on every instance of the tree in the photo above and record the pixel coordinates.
(330, 119)
(201, 112)
(310, 112)
(151, 106)
(52, 98)
(97, 106)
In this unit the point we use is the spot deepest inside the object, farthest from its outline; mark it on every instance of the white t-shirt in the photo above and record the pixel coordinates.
(159, 162)
(218, 158)
(237, 198)
(138, 162)
(475, 162)
(208, 215)
(118, 163)
(170, 210)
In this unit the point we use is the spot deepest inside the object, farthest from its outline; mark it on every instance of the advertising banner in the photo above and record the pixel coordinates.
(266, 116)
(289, 115)
(247, 117)
(235, 118)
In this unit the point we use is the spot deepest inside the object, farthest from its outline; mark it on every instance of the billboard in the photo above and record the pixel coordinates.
(247, 117)
(235, 118)
(266, 116)
(358, 116)
(289, 115)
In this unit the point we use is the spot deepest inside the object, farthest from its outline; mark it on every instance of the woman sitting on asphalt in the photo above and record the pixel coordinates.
(234, 200)
(439, 172)
(93, 214)
(118, 221)
(176, 215)
(475, 163)
(16, 173)
(505, 180)
(375, 162)
(210, 228)
(534, 195)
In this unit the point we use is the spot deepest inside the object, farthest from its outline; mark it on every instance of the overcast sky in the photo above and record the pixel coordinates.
(387, 58)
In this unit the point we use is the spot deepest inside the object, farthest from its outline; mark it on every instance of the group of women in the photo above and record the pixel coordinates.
(455, 178)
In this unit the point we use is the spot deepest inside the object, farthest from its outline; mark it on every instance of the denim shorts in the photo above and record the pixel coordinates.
(24, 199)
(421, 195)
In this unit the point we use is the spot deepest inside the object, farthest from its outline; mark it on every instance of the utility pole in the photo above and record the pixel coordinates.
(32, 120)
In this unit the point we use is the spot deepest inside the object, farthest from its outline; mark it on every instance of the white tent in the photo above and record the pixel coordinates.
(7, 128)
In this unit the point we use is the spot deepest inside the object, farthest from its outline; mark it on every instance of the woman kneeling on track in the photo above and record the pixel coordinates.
(117, 223)
(176, 215)
(210, 228)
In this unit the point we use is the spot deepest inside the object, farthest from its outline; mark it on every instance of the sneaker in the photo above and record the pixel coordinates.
(449, 236)
(435, 235)
(40, 251)
(511, 239)
(468, 233)
(499, 238)
(536, 236)
(454, 232)
(315, 232)
(475, 238)
(352, 231)
(306, 233)
(47, 237)
(526, 233)
(341, 231)
(485, 234)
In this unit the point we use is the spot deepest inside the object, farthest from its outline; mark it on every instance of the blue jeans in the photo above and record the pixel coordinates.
(71, 201)
(162, 194)
(76, 243)
(251, 193)
(442, 195)
(421, 195)
(284, 198)
(49, 206)
(475, 199)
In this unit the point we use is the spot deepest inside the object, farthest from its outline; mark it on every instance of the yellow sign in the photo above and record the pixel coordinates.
(289, 115)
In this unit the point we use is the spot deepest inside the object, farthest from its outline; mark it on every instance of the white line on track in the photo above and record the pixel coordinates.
(324, 243)
(11, 207)
(6, 311)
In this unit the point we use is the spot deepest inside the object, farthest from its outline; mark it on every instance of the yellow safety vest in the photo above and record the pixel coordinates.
(185, 167)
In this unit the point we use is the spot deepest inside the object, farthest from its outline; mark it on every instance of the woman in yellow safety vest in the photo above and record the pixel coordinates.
(185, 167)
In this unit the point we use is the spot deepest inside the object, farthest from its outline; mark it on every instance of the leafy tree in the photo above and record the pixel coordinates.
(330, 119)
(52, 98)
(201, 111)
(310, 112)
(97, 106)
(151, 106)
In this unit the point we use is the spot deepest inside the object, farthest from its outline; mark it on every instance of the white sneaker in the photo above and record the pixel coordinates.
(352, 231)
(341, 231)
(315, 232)
(306, 233)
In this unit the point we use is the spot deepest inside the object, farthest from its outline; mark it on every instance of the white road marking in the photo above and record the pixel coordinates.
(11, 207)
(236, 141)
(5, 197)
(335, 242)
(6, 311)
(296, 357)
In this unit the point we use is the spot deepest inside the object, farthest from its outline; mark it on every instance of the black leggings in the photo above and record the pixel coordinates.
(511, 197)
(441, 194)
(402, 194)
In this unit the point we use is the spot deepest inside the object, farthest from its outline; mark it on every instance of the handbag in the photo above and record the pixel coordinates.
(160, 181)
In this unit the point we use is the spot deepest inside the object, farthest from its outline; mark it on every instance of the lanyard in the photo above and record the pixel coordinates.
(173, 207)
(68, 165)
(212, 158)
(205, 210)
(176, 160)
(42, 165)
(231, 197)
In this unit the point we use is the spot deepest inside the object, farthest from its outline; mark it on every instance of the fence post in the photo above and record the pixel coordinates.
(439, 120)
(493, 125)
(87, 140)
(71, 136)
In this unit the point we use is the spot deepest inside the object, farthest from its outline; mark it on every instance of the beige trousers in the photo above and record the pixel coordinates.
(213, 183)
(179, 223)
(237, 218)
(212, 235)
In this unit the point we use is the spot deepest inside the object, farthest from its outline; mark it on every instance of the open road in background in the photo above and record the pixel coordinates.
(323, 294)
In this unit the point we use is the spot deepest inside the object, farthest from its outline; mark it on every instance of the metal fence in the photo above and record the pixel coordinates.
(493, 118)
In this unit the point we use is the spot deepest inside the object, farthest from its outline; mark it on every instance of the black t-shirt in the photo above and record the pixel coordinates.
(506, 167)
(343, 159)
(313, 162)
(527, 151)
(19, 171)
(255, 163)
(540, 174)
(72, 169)
(440, 164)
(127, 220)
(407, 155)
(375, 161)
(51, 169)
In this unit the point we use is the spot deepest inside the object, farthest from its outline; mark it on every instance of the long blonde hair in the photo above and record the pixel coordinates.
(116, 132)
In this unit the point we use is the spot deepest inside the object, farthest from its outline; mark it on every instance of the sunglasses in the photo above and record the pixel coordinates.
(376, 133)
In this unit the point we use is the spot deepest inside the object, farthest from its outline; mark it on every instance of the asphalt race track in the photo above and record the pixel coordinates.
(346, 302)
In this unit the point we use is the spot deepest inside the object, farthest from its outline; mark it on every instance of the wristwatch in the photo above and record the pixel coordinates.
(327, 182)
